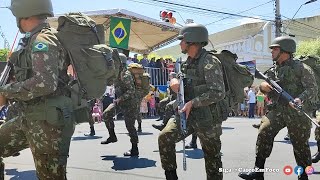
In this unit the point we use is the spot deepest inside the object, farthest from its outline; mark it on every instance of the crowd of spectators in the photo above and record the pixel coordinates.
(254, 103)
(158, 68)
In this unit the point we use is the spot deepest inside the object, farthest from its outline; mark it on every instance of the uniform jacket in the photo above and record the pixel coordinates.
(204, 85)
(38, 65)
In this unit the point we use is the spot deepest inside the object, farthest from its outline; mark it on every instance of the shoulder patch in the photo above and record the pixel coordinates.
(40, 47)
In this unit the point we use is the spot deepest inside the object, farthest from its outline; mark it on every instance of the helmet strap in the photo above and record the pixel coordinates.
(277, 58)
(19, 26)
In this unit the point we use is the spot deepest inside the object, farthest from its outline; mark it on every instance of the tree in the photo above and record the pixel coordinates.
(311, 47)
(3, 54)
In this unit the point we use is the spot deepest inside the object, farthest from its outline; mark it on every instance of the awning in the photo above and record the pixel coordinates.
(146, 34)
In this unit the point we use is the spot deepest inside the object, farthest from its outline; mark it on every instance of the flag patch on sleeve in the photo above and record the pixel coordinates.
(40, 47)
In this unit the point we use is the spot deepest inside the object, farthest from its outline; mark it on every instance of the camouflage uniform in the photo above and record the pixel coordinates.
(317, 130)
(166, 109)
(204, 92)
(41, 62)
(316, 156)
(129, 105)
(298, 80)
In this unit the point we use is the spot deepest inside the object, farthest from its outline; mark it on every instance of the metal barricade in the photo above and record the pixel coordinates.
(159, 76)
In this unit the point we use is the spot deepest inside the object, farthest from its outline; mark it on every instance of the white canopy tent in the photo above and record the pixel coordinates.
(146, 34)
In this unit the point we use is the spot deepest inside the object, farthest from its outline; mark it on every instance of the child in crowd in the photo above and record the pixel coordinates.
(144, 107)
(152, 102)
(96, 112)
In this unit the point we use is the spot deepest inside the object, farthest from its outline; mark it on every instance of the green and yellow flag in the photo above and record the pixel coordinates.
(119, 32)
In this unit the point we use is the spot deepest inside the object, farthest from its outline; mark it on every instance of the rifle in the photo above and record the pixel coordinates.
(7, 69)
(181, 103)
(283, 94)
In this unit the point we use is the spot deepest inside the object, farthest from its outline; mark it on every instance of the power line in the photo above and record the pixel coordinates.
(6, 42)
(301, 27)
(200, 13)
(240, 12)
(209, 10)
(303, 23)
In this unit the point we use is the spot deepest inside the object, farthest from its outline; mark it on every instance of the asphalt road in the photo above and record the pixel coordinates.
(89, 160)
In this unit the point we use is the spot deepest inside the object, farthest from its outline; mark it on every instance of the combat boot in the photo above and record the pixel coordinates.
(193, 143)
(161, 117)
(139, 127)
(92, 132)
(1, 169)
(112, 137)
(251, 175)
(287, 137)
(256, 126)
(134, 151)
(159, 127)
(171, 175)
(254, 175)
(316, 157)
(303, 176)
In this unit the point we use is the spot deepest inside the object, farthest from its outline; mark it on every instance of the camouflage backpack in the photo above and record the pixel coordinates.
(95, 64)
(236, 78)
(141, 79)
(314, 63)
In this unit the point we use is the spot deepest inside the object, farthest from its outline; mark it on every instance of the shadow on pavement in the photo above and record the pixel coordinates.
(313, 143)
(284, 142)
(127, 163)
(144, 133)
(81, 138)
(139, 133)
(289, 142)
(316, 172)
(227, 128)
(193, 153)
(21, 175)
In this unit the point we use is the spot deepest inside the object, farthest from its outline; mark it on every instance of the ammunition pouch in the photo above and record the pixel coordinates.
(81, 112)
(55, 110)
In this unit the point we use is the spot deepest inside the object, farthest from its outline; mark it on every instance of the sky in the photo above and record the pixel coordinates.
(214, 22)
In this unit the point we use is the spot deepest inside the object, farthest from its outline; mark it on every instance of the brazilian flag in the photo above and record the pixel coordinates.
(119, 32)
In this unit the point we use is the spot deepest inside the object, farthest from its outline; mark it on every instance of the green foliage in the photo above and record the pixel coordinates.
(311, 47)
(3, 54)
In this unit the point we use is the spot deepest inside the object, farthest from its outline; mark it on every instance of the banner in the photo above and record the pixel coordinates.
(119, 32)
(251, 65)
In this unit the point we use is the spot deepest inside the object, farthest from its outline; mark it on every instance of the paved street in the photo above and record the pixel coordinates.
(91, 160)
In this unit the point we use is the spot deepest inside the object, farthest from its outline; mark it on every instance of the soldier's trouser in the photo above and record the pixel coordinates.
(169, 112)
(210, 141)
(108, 115)
(139, 118)
(91, 121)
(299, 129)
(130, 116)
(317, 130)
(162, 104)
(49, 144)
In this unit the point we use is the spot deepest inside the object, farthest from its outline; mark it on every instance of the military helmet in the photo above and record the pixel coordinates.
(194, 33)
(285, 43)
(28, 8)
(123, 58)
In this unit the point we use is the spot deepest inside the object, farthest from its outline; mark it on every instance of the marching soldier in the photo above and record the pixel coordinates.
(41, 75)
(128, 104)
(204, 87)
(298, 80)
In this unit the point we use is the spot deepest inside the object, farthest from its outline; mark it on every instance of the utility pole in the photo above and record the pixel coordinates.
(278, 24)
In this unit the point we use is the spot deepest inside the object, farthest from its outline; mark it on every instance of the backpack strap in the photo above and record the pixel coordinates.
(224, 72)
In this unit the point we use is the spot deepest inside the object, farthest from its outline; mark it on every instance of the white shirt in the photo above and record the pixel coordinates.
(251, 96)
